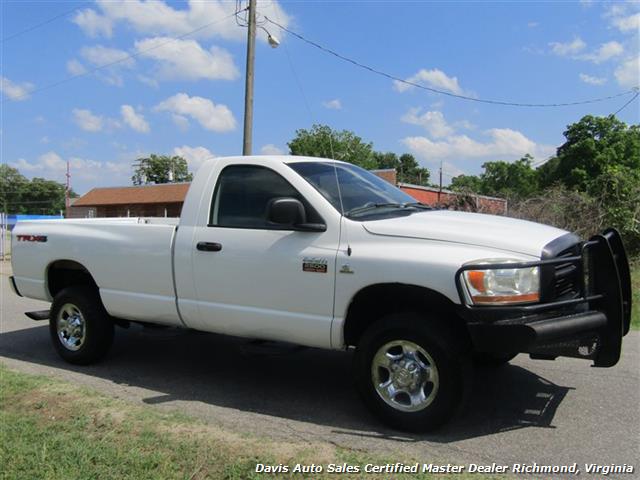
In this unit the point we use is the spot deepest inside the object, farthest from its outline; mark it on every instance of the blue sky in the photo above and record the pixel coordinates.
(183, 93)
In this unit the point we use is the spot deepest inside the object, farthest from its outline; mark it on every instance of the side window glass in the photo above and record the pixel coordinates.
(243, 193)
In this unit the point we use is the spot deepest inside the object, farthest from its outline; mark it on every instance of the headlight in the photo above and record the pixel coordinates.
(503, 286)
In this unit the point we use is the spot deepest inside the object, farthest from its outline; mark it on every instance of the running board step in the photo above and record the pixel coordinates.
(39, 315)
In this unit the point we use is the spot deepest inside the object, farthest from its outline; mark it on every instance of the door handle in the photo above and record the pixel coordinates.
(209, 246)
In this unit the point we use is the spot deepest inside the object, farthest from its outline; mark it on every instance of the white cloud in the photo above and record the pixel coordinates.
(111, 61)
(334, 104)
(74, 67)
(15, 91)
(53, 166)
(568, 48)
(92, 23)
(450, 170)
(195, 156)
(628, 72)
(150, 81)
(88, 121)
(134, 119)
(181, 121)
(157, 18)
(532, 24)
(217, 118)
(629, 23)
(605, 52)
(271, 149)
(186, 59)
(24, 166)
(100, 56)
(502, 142)
(432, 121)
(592, 80)
(432, 78)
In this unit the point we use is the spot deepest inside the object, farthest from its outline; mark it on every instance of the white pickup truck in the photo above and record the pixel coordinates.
(325, 254)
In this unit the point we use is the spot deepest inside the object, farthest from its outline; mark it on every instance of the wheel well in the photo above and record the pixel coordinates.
(372, 302)
(66, 273)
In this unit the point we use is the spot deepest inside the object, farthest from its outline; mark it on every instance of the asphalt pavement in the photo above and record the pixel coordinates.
(549, 412)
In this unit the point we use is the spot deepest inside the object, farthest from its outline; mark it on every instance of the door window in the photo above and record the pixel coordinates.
(243, 192)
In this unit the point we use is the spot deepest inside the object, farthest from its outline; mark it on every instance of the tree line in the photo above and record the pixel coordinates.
(37, 196)
(593, 181)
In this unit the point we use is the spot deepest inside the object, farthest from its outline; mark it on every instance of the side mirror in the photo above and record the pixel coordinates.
(286, 212)
(289, 212)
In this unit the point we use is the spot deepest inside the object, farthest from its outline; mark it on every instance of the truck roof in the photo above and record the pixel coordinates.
(277, 158)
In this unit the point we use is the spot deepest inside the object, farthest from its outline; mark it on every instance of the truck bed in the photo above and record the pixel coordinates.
(130, 259)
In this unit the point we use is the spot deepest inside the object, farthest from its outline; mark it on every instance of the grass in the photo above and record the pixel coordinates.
(635, 292)
(50, 429)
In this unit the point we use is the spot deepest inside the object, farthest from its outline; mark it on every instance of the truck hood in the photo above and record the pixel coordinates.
(503, 233)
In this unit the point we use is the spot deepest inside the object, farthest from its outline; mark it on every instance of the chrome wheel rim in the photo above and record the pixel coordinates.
(71, 327)
(405, 376)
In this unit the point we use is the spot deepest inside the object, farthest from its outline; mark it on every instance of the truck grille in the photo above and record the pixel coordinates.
(567, 276)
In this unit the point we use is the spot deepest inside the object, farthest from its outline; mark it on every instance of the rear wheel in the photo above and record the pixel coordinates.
(411, 371)
(80, 327)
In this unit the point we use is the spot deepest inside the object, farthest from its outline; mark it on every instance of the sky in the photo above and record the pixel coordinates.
(100, 84)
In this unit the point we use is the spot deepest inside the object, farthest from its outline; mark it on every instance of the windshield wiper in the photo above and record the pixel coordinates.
(420, 205)
(373, 206)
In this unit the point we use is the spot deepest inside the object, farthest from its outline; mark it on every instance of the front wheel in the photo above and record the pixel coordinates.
(81, 329)
(411, 371)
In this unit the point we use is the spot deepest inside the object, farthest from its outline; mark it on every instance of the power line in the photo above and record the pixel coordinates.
(43, 23)
(442, 92)
(625, 105)
(120, 60)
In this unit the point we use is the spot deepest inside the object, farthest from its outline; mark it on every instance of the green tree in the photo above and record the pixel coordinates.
(12, 187)
(601, 157)
(322, 141)
(407, 168)
(38, 196)
(466, 184)
(510, 179)
(161, 169)
(547, 173)
(592, 146)
(501, 179)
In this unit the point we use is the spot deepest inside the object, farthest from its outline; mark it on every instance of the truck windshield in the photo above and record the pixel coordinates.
(363, 193)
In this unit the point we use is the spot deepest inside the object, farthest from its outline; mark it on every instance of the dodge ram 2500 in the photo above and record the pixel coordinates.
(322, 253)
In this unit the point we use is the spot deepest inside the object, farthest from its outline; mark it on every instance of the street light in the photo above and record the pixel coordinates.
(248, 90)
(273, 41)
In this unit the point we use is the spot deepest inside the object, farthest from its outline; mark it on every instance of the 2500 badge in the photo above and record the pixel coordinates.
(317, 265)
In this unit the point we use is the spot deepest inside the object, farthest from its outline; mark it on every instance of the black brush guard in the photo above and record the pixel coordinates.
(589, 326)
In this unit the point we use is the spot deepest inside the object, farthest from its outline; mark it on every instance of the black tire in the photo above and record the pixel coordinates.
(96, 336)
(447, 351)
(486, 359)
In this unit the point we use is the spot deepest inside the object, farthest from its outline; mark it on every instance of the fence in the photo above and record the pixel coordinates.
(7, 222)
(5, 236)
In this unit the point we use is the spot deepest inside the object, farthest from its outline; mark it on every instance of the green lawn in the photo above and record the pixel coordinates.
(54, 430)
(635, 289)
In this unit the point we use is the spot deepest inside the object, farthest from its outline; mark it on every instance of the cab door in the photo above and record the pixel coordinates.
(258, 280)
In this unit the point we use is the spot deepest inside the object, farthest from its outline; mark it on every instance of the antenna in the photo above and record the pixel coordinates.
(66, 192)
(440, 189)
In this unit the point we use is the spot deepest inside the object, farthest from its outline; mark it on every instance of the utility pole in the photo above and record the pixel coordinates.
(440, 191)
(248, 91)
(67, 202)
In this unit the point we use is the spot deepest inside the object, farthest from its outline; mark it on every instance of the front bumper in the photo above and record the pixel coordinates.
(589, 326)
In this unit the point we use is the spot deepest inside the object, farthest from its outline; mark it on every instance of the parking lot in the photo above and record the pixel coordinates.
(530, 411)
